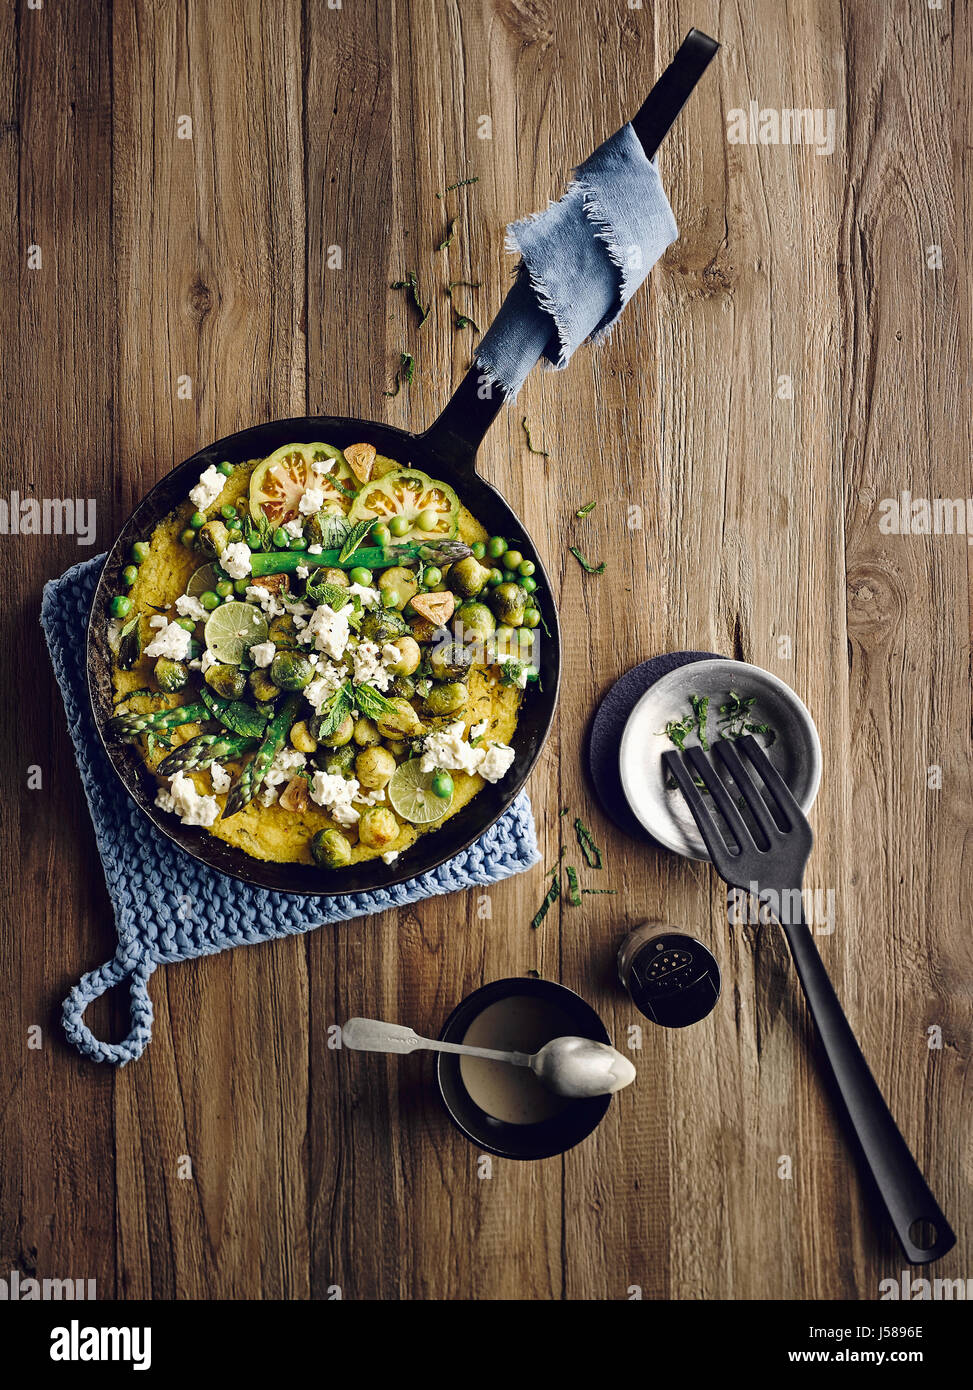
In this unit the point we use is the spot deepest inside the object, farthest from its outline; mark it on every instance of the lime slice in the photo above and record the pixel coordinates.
(411, 794)
(232, 629)
(204, 578)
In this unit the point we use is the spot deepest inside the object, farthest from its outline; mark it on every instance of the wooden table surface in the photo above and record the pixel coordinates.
(801, 353)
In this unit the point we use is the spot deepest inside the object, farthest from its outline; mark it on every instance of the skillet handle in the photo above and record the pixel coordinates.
(456, 435)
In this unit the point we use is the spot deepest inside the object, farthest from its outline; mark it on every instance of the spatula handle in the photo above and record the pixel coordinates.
(919, 1223)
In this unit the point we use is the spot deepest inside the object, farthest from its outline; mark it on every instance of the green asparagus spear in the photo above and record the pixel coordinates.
(203, 750)
(249, 779)
(370, 557)
(131, 725)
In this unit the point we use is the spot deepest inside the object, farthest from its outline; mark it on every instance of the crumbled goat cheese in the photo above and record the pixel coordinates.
(478, 730)
(390, 654)
(172, 641)
(497, 762)
(321, 466)
(208, 660)
(158, 621)
(367, 662)
(312, 501)
(328, 631)
(370, 598)
(315, 549)
(329, 679)
(270, 603)
(236, 560)
(336, 793)
(446, 748)
(281, 770)
(293, 528)
(390, 856)
(183, 800)
(220, 778)
(370, 798)
(263, 653)
(211, 484)
(189, 607)
(302, 571)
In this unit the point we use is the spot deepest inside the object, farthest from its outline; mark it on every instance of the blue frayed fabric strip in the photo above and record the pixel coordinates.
(582, 259)
(168, 906)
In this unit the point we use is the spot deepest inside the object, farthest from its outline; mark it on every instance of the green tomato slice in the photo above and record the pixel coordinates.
(277, 485)
(407, 492)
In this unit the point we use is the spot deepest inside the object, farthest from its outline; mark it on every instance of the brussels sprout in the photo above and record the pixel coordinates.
(397, 747)
(476, 619)
(378, 827)
(422, 629)
(403, 721)
(262, 686)
(330, 849)
(374, 767)
(467, 577)
(383, 625)
(409, 658)
(447, 698)
(338, 577)
(400, 581)
(366, 735)
(170, 675)
(302, 738)
(508, 602)
(282, 630)
(404, 686)
(291, 670)
(450, 659)
(341, 735)
(338, 762)
(213, 538)
(227, 681)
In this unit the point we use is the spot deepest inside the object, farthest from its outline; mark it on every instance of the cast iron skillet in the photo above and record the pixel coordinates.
(447, 450)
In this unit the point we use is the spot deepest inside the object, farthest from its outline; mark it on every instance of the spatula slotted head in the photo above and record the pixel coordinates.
(753, 833)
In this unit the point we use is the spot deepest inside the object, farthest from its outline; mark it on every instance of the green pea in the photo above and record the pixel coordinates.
(399, 525)
(188, 537)
(225, 468)
(527, 583)
(188, 624)
(381, 534)
(253, 540)
(479, 549)
(532, 617)
(140, 552)
(282, 540)
(228, 511)
(442, 785)
(427, 519)
(496, 546)
(120, 606)
(209, 600)
(224, 588)
(512, 560)
(391, 598)
(360, 575)
(432, 575)
(526, 568)
(240, 586)
(197, 520)
(298, 543)
(129, 575)
(494, 578)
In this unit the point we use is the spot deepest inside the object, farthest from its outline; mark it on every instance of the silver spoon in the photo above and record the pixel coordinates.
(574, 1067)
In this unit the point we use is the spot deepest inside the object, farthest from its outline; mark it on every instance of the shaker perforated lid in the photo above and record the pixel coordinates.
(673, 978)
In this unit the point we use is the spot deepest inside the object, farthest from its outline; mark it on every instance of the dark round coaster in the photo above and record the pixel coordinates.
(605, 734)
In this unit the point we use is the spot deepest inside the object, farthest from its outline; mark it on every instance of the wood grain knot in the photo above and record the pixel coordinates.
(531, 21)
(876, 602)
(200, 299)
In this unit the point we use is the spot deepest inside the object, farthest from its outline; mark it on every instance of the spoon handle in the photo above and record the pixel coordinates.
(372, 1035)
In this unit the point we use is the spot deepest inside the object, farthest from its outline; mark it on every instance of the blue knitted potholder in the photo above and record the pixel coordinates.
(170, 907)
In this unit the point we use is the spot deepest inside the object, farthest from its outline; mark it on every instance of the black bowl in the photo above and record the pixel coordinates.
(448, 457)
(506, 1140)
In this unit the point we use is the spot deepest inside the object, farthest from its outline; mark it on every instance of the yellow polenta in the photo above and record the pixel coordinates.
(273, 832)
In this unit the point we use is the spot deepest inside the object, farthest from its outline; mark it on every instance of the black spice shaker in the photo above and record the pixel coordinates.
(672, 978)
